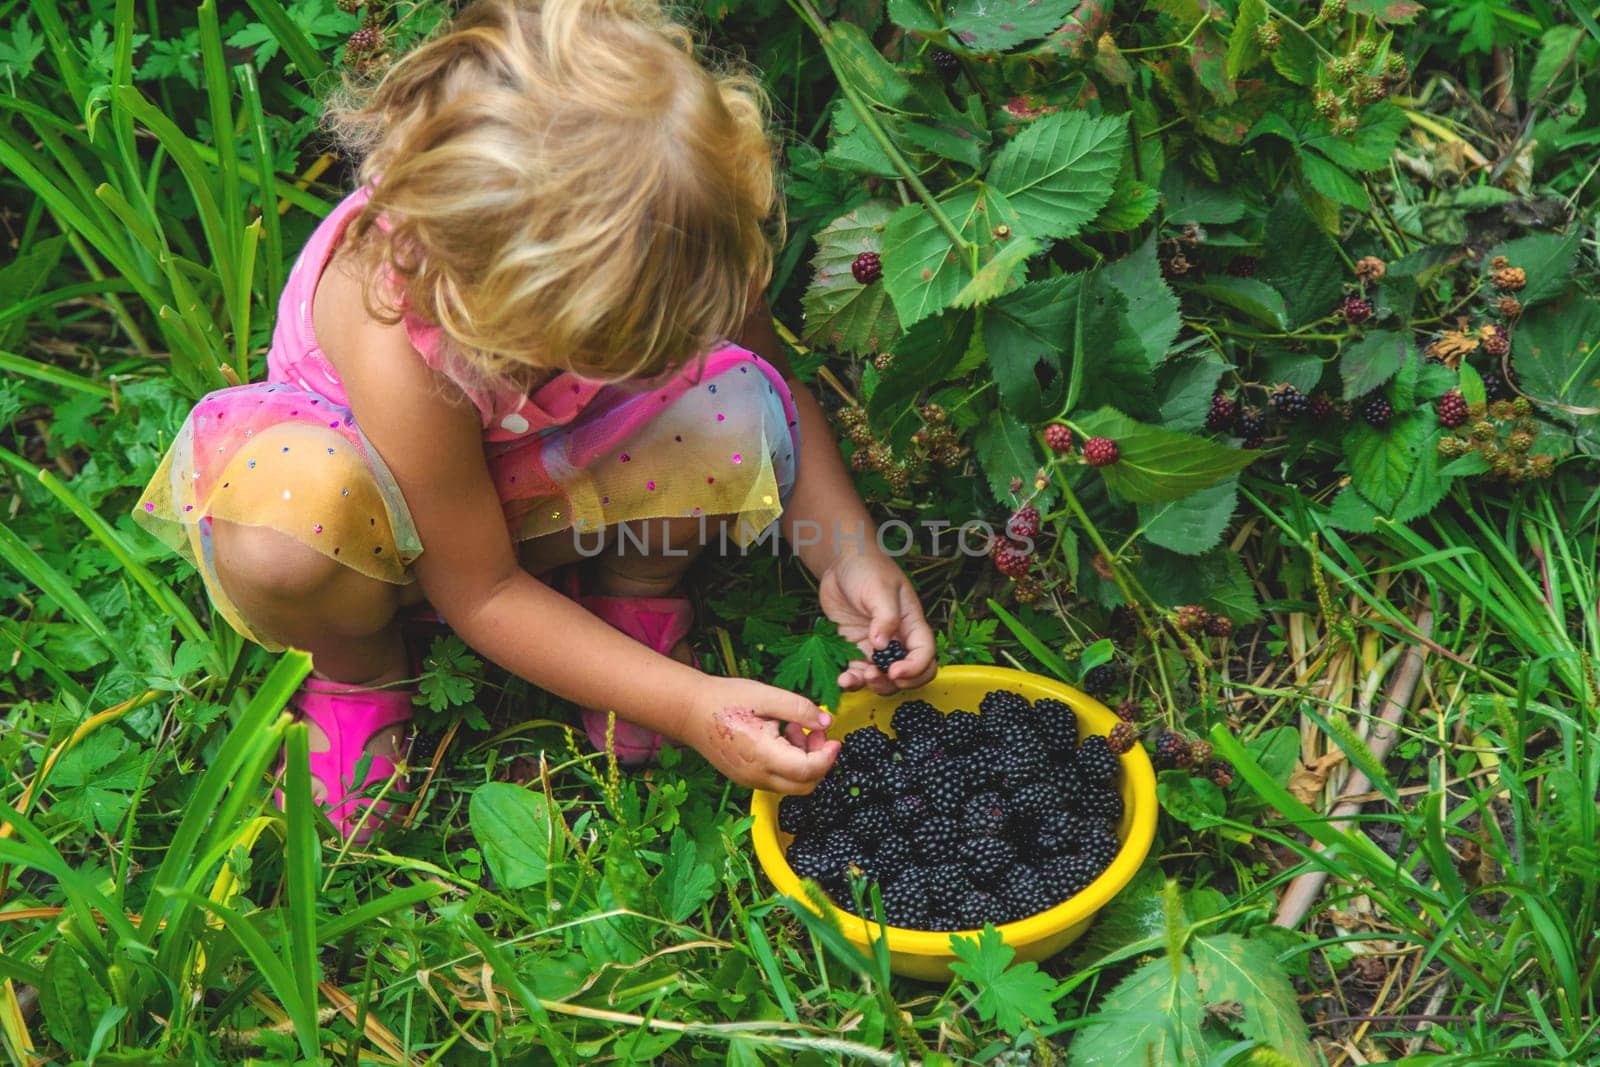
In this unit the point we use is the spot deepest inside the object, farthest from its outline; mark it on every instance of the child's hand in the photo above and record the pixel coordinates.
(756, 735)
(868, 595)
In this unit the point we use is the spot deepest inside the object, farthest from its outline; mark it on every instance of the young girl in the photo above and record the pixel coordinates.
(518, 330)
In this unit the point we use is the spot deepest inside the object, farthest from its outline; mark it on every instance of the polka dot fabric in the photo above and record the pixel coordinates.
(716, 438)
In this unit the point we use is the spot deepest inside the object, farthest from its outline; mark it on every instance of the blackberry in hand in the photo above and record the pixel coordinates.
(1095, 761)
(888, 656)
(867, 268)
(1377, 411)
(1099, 680)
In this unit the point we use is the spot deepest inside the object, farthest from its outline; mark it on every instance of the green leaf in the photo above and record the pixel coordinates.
(1371, 361)
(1185, 387)
(1007, 995)
(1189, 200)
(686, 882)
(924, 355)
(1244, 51)
(922, 269)
(811, 663)
(1131, 203)
(1192, 524)
(71, 997)
(1000, 275)
(1257, 300)
(1381, 462)
(1005, 451)
(1191, 800)
(1152, 1018)
(1025, 330)
(1391, 11)
(1152, 305)
(914, 15)
(1296, 57)
(1234, 968)
(987, 26)
(856, 60)
(841, 313)
(1208, 58)
(1556, 44)
(1059, 172)
(1547, 258)
(516, 832)
(23, 277)
(1159, 465)
(1301, 262)
(1558, 362)
(1109, 354)
(1332, 181)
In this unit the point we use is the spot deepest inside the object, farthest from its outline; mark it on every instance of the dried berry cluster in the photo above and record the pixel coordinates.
(936, 444)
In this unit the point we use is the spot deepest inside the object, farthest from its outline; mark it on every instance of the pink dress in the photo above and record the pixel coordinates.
(717, 438)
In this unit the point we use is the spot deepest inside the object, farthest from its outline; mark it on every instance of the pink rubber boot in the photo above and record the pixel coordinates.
(658, 623)
(351, 718)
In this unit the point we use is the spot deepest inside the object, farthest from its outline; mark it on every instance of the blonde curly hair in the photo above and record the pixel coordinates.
(564, 184)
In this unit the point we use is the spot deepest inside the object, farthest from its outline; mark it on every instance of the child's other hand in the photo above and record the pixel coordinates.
(871, 599)
(756, 735)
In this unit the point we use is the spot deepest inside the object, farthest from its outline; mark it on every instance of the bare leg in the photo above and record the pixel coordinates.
(301, 598)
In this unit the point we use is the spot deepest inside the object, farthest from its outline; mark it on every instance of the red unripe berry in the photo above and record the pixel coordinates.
(1453, 410)
(867, 268)
(1101, 451)
(1356, 309)
(1010, 560)
(1024, 524)
(1058, 436)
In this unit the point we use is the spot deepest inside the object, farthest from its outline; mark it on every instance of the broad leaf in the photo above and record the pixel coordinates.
(1296, 57)
(841, 313)
(72, 998)
(1332, 181)
(1158, 465)
(1006, 451)
(1546, 258)
(1190, 200)
(1244, 50)
(1301, 262)
(1381, 462)
(1184, 388)
(924, 355)
(810, 663)
(852, 53)
(516, 832)
(686, 882)
(1232, 968)
(1059, 172)
(1257, 300)
(1152, 1018)
(913, 15)
(1558, 365)
(1192, 524)
(986, 26)
(1025, 331)
(1110, 354)
(922, 269)
(1391, 11)
(1152, 305)
(1008, 995)
(1371, 361)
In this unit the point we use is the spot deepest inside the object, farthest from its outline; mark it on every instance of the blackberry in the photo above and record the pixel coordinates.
(794, 814)
(888, 656)
(905, 899)
(1099, 845)
(1034, 801)
(1100, 802)
(920, 749)
(1221, 773)
(1099, 680)
(1323, 408)
(988, 859)
(364, 41)
(914, 717)
(1063, 775)
(1002, 701)
(1027, 893)
(1356, 309)
(978, 770)
(907, 811)
(861, 788)
(842, 849)
(1251, 424)
(1056, 725)
(961, 732)
(1010, 559)
(1021, 765)
(1095, 761)
(1067, 876)
(946, 63)
(1496, 387)
(1223, 409)
(1219, 626)
(1200, 752)
(947, 883)
(942, 922)
(828, 802)
(987, 813)
(871, 825)
(945, 788)
(1172, 750)
(978, 907)
(867, 268)
(1058, 438)
(1056, 834)
(808, 857)
(1377, 411)
(1290, 402)
(1023, 524)
(1101, 451)
(1122, 738)
(1496, 342)
(937, 839)
(1242, 266)
(895, 853)
(865, 749)
(350, 7)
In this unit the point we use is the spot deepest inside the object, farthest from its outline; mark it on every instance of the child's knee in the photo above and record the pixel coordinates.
(259, 563)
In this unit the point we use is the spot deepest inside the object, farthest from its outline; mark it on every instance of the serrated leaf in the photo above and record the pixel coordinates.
(1352, 511)
(1109, 353)
(1301, 261)
(1152, 1018)
(1216, 579)
(1234, 968)
(1381, 462)
(1194, 523)
(925, 355)
(1006, 451)
(1257, 300)
(1391, 11)
(1208, 58)
(1025, 330)
(988, 26)
(1191, 200)
(922, 269)
(71, 997)
(1303, 370)
(1296, 57)
(852, 149)
(1371, 361)
(516, 832)
(1331, 180)
(1471, 385)
(841, 313)
(1558, 361)
(1059, 172)
(1158, 465)
(1008, 995)
(913, 15)
(686, 881)
(1184, 387)
(1000, 275)
(810, 663)
(1244, 51)
(856, 59)
(1152, 305)
(1547, 258)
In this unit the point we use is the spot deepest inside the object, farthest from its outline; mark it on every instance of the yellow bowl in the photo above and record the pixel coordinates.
(924, 953)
